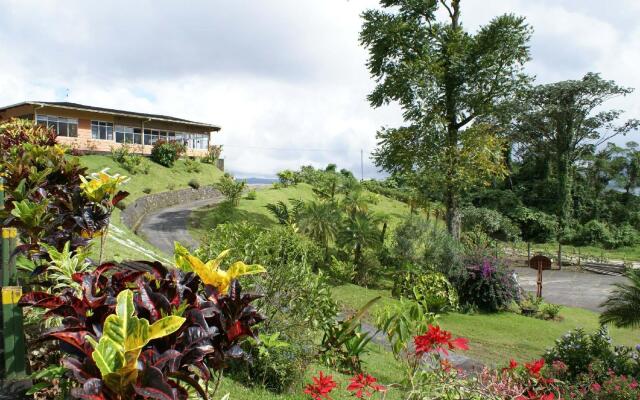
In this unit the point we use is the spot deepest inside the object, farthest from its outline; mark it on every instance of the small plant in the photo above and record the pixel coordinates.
(550, 311)
(166, 153)
(251, 195)
(147, 190)
(191, 165)
(171, 186)
(131, 162)
(213, 154)
(231, 188)
(433, 288)
(194, 184)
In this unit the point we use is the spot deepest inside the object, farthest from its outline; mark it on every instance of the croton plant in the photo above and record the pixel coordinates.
(142, 330)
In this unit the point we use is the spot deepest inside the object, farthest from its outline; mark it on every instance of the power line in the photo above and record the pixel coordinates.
(273, 148)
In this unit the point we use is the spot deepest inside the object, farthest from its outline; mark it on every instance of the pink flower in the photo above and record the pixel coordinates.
(595, 387)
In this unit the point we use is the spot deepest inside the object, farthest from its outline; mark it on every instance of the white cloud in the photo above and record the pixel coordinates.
(286, 79)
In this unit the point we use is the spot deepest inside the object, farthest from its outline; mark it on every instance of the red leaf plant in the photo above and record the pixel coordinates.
(321, 387)
(364, 385)
(438, 340)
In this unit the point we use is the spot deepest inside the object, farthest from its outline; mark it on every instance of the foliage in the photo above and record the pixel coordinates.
(321, 222)
(343, 342)
(487, 285)
(285, 214)
(584, 353)
(449, 83)
(213, 154)
(166, 153)
(147, 293)
(63, 265)
(45, 196)
(130, 161)
(191, 165)
(421, 243)
(231, 188)
(536, 226)
(359, 232)
(433, 289)
(492, 222)
(401, 322)
(288, 178)
(621, 307)
(194, 184)
(251, 194)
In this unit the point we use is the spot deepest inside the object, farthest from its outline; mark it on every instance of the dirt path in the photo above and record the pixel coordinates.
(164, 227)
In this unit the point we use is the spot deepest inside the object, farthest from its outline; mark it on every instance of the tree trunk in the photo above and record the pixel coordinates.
(564, 193)
(357, 255)
(453, 215)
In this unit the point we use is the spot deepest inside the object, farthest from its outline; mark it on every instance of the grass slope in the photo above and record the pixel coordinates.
(122, 243)
(494, 338)
(254, 211)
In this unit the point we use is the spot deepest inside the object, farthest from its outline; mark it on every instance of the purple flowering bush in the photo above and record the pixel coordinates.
(486, 285)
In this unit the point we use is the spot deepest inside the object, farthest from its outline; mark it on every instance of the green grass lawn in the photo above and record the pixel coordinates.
(122, 243)
(494, 338)
(254, 211)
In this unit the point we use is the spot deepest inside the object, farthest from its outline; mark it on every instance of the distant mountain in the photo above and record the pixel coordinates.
(259, 181)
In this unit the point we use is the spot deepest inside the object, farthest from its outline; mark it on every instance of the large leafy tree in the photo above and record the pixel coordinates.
(567, 121)
(626, 163)
(446, 80)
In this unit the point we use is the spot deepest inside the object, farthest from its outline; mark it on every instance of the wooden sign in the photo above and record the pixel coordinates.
(540, 262)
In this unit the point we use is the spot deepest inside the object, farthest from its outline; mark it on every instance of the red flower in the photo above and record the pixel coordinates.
(533, 396)
(440, 340)
(512, 364)
(535, 367)
(321, 387)
(595, 387)
(363, 385)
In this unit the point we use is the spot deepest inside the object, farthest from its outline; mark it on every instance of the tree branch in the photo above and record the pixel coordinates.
(444, 3)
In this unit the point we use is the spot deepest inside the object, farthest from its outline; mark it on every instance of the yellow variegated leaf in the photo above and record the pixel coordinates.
(180, 255)
(165, 326)
(239, 268)
(123, 337)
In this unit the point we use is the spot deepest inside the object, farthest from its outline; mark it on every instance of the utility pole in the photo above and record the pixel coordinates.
(361, 165)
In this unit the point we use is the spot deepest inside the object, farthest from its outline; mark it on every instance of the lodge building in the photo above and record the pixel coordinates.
(97, 129)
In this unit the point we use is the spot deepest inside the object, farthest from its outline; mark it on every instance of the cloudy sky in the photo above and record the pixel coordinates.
(286, 79)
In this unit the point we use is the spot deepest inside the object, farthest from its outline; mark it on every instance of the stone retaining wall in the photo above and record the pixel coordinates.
(132, 215)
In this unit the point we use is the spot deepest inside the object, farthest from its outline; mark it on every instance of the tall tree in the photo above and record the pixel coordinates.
(320, 220)
(445, 79)
(567, 119)
(627, 166)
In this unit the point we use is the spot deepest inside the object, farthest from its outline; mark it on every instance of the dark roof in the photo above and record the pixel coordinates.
(76, 106)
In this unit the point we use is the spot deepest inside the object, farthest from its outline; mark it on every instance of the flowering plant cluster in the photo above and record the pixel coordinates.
(360, 386)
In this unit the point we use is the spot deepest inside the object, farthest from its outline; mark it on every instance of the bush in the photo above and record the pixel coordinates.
(194, 184)
(147, 190)
(492, 222)
(594, 233)
(252, 195)
(192, 166)
(592, 353)
(171, 186)
(213, 154)
(486, 285)
(133, 163)
(166, 153)
(288, 178)
(550, 311)
(421, 243)
(434, 289)
(230, 188)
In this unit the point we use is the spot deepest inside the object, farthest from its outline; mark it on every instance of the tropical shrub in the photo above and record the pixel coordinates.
(213, 154)
(131, 162)
(594, 233)
(166, 153)
(187, 325)
(593, 354)
(45, 196)
(191, 165)
(536, 226)
(231, 188)
(287, 178)
(486, 285)
(286, 214)
(433, 288)
(251, 195)
(194, 184)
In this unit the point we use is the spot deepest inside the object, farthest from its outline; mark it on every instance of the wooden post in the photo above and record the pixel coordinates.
(539, 291)
(528, 253)
(559, 255)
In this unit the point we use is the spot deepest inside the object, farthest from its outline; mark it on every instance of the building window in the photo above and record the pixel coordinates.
(60, 125)
(101, 130)
(127, 134)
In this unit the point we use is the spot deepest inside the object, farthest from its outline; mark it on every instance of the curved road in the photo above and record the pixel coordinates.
(163, 227)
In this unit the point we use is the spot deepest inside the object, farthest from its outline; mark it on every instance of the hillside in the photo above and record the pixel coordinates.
(255, 211)
(123, 243)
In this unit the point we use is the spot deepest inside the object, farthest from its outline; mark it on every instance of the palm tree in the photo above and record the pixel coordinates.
(320, 221)
(284, 214)
(356, 201)
(360, 231)
(622, 308)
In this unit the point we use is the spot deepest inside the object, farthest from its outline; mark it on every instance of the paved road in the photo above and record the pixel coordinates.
(163, 227)
(575, 289)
